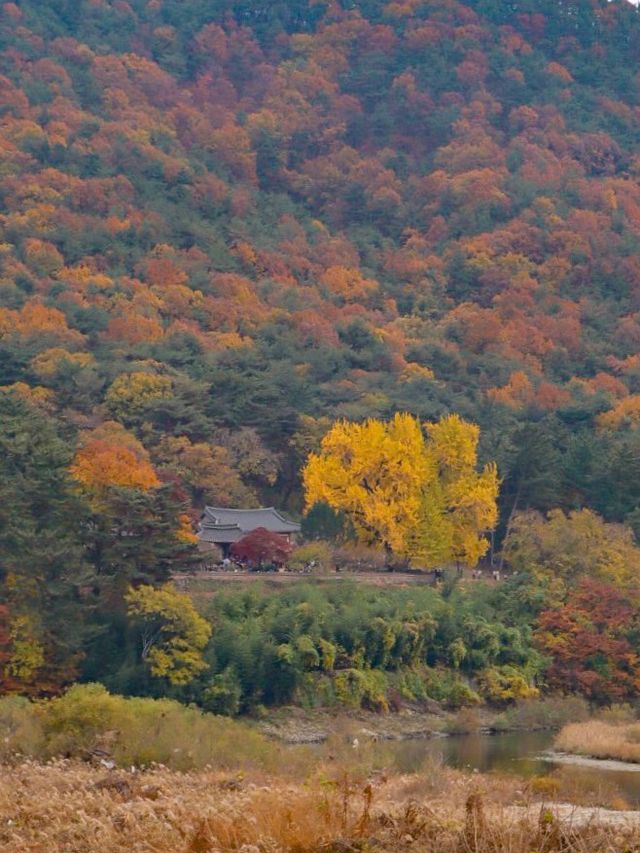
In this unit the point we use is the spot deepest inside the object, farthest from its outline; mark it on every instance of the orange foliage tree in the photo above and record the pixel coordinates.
(110, 456)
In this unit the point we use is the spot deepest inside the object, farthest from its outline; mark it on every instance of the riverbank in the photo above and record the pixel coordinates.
(65, 806)
(295, 725)
(153, 775)
(573, 760)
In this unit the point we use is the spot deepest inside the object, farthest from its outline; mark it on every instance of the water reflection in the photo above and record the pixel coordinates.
(506, 753)
(516, 753)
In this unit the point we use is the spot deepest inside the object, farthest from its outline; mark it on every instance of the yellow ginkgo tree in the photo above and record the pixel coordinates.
(467, 496)
(419, 497)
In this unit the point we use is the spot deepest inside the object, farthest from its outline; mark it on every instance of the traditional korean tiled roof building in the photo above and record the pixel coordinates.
(222, 526)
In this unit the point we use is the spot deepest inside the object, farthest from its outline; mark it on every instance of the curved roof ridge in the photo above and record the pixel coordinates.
(281, 516)
(227, 519)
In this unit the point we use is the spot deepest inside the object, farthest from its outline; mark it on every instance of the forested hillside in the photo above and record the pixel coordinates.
(225, 225)
(224, 221)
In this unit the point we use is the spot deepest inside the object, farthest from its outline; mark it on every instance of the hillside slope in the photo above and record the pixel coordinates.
(225, 222)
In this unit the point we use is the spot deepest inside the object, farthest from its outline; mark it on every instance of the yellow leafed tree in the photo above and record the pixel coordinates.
(373, 472)
(130, 393)
(561, 550)
(468, 497)
(419, 498)
(27, 651)
(173, 633)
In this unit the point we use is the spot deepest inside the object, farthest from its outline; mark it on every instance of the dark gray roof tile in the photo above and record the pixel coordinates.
(249, 519)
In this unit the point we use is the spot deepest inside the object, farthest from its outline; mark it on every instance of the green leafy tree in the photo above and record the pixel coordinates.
(43, 570)
(137, 537)
(323, 522)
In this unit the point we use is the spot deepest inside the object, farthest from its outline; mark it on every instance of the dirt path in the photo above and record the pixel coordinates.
(278, 578)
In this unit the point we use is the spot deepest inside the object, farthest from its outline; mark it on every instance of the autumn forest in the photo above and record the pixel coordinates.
(374, 263)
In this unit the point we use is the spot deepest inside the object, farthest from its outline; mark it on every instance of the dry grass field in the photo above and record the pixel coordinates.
(157, 777)
(66, 806)
(600, 739)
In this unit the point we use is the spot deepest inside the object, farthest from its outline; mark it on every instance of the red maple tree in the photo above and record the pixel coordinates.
(262, 547)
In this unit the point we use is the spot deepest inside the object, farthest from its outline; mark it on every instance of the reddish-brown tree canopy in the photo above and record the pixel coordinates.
(588, 642)
(261, 546)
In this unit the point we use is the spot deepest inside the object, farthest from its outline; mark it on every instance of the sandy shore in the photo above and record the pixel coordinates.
(584, 761)
(576, 816)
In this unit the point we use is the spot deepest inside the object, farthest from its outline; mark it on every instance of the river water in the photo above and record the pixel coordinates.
(514, 753)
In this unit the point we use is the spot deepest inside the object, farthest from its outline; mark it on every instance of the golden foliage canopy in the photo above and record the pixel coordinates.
(560, 550)
(626, 413)
(130, 393)
(419, 498)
